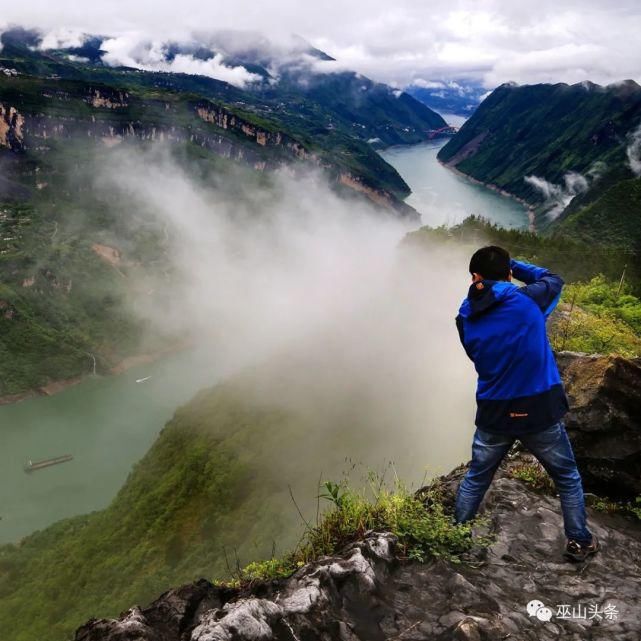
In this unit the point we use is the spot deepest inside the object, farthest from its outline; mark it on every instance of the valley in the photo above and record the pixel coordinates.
(252, 284)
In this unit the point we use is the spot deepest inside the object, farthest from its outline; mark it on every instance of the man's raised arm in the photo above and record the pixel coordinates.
(541, 285)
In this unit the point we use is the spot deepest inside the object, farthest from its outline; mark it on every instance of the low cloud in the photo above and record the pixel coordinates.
(293, 275)
(399, 43)
(151, 55)
(558, 196)
(596, 170)
(428, 84)
(633, 151)
(61, 38)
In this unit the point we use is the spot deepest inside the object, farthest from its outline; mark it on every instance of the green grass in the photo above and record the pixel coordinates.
(595, 314)
(421, 524)
(537, 478)
(534, 475)
(598, 317)
(629, 509)
(604, 297)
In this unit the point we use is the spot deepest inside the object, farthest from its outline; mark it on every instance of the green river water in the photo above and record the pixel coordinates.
(445, 198)
(108, 423)
(105, 423)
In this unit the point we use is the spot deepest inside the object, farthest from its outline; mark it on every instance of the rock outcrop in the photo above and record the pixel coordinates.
(605, 420)
(367, 593)
(519, 587)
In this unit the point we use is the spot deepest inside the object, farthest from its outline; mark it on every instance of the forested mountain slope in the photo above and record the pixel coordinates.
(560, 148)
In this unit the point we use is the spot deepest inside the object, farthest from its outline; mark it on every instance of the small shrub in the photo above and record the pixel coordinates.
(534, 475)
(598, 316)
(422, 526)
(626, 508)
(594, 333)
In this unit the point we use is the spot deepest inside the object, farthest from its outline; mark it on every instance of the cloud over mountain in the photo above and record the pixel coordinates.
(491, 41)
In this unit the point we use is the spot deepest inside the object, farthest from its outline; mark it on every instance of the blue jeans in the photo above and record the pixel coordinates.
(552, 448)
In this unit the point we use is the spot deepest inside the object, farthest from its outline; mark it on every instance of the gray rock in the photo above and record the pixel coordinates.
(605, 420)
(368, 594)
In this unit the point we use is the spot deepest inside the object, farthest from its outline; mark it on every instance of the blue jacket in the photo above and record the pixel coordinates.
(502, 328)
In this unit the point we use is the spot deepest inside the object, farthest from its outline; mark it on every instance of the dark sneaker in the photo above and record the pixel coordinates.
(576, 552)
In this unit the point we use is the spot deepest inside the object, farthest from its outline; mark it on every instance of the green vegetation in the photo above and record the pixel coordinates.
(212, 486)
(607, 298)
(597, 314)
(534, 475)
(576, 330)
(548, 131)
(613, 218)
(331, 115)
(423, 528)
(420, 522)
(211, 494)
(596, 317)
(575, 260)
(630, 509)
(61, 302)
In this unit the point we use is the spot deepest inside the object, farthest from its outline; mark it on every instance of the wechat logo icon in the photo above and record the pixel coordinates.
(536, 608)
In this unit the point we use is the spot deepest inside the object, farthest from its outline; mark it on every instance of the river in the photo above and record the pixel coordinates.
(445, 198)
(105, 423)
(108, 423)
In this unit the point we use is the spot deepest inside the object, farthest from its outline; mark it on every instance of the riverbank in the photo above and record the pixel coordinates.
(445, 200)
(55, 387)
(495, 188)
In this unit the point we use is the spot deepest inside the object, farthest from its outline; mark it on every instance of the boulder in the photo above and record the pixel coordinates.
(604, 422)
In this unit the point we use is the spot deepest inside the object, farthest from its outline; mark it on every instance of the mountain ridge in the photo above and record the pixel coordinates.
(556, 146)
(60, 116)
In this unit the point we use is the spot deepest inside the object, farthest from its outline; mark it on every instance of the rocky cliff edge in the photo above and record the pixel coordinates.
(517, 587)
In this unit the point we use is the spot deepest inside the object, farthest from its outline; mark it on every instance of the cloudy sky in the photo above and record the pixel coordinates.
(398, 42)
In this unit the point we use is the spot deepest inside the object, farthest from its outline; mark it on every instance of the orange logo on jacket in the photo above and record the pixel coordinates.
(518, 414)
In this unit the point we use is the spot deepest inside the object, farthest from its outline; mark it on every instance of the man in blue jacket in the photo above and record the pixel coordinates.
(519, 394)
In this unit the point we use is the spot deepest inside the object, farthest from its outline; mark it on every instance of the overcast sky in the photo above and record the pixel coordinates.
(395, 41)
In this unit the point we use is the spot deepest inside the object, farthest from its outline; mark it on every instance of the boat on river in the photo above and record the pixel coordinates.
(32, 466)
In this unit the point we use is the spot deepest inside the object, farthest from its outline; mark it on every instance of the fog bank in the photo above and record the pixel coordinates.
(311, 289)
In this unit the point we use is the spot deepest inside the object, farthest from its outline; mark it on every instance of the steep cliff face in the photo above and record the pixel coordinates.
(370, 593)
(326, 120)
(11, 128)
(605, 420)
(111, 120)
(73, 112)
